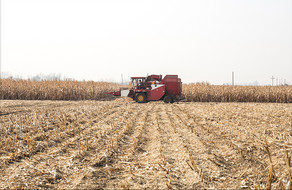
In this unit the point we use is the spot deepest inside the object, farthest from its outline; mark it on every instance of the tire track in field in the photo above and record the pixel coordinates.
(146, 164)
(155, 164)
(179, 173)
(42, 159)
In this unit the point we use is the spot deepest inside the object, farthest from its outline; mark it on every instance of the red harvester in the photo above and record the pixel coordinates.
(153, 87)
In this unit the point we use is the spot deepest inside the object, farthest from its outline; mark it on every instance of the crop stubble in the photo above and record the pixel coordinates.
(122, 144)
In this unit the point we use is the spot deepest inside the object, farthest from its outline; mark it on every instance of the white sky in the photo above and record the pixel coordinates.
(200, 40)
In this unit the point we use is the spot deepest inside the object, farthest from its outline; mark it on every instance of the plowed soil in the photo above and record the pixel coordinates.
(122, 144)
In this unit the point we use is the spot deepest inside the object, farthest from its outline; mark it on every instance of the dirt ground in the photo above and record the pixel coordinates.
(122, 144)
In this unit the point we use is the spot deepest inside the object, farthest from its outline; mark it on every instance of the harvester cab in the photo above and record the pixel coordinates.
(138, 82)
(152, 88)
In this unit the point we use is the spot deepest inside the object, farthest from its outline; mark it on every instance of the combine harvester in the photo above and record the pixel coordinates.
(152, 88)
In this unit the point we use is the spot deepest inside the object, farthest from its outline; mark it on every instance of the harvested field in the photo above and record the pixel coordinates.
(122, 144)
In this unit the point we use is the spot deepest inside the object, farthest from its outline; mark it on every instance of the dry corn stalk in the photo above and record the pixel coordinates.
(204, 92)
(55, 90)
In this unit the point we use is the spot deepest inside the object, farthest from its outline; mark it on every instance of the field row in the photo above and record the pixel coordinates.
(122, 144)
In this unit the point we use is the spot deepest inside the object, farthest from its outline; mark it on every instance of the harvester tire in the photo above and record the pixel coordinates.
(167, 99)
(140, 98)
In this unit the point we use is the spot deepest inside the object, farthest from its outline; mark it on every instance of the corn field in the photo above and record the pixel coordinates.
(198, 92)
(203, 92)
(124, 145)
(55, 90)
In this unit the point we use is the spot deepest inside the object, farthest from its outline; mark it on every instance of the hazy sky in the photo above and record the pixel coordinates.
(200, 40)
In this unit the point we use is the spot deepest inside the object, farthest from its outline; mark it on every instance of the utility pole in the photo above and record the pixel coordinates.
(272, 80)
(122, 78)
(232, 78)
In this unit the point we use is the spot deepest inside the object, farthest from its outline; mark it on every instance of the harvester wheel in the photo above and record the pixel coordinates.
(167, 99)
(140, 98)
